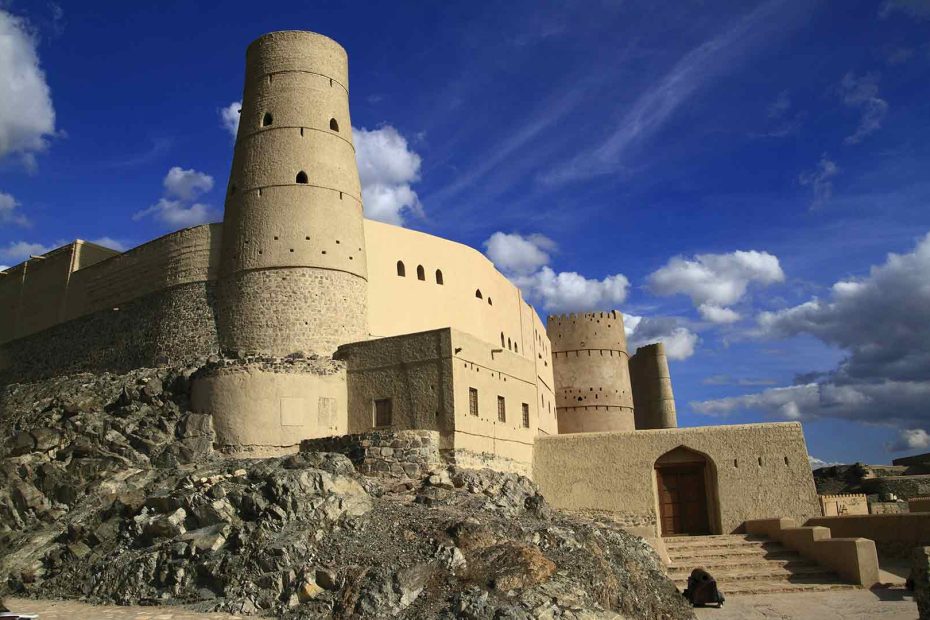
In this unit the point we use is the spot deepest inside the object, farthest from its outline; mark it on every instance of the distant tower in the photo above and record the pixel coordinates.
(652, 388)
(592, 379)
(293, 271)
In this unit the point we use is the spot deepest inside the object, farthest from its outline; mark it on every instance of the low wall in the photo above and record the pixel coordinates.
(895, 535)
(173, 325)
(853, 559)
(846, 504)
(754, 471)
(267, 406)
(410, 454)
(904, 487)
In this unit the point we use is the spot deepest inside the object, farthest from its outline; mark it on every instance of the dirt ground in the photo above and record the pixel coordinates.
(70, 610)
(888, 603)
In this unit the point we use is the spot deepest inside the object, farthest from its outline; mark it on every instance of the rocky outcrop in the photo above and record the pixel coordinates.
(111, 493)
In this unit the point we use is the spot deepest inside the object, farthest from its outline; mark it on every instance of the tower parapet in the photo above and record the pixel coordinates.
(293, 266)
(652, 388)
(591, 371)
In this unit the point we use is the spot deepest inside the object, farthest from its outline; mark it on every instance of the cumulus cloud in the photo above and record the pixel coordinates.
(178, 208)
(910, 439)
(9, 213)
(820, 181)
(186, 184)
(918, 9)
(27, 117)
(18, 251)
(524, 259)
(882, 323)
(818, 463)
(110, 242)
(387, 167)
(516, 254)
(229, 117)
(714, 281)
(862, 93)
(679, 340)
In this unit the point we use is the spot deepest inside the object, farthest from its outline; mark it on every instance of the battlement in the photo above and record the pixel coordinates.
(587, 331)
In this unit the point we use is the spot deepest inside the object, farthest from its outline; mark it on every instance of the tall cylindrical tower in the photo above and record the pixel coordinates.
(293, 273)
(591, 372)
(652, 388)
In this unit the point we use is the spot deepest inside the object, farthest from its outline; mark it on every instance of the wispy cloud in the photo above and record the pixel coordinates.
(654, 107)
(820, 181)
(862, 93)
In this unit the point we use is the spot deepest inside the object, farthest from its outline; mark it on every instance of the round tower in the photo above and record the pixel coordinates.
(652, 388)
(591, 372)
(293, 273)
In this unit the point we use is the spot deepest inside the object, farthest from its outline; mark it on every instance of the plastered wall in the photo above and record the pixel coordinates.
(761, 471)
(428, 376)
(653, 399)
(260, 411)
(591, 372)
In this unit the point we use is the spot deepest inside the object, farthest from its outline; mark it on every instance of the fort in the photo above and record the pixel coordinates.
(319, 324)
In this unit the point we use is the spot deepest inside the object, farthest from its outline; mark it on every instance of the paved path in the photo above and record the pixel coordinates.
(893, 603)
(71, 610)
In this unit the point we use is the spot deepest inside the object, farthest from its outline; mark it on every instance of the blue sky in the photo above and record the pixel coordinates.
(732, 175)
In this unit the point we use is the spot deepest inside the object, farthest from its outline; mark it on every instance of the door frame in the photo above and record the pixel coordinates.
(684, 456)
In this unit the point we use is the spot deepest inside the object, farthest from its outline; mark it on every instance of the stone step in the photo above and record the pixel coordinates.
(675, 541)
(741, 562)
(775, 587)
(774, 551)
(719, 543)
(760, 573)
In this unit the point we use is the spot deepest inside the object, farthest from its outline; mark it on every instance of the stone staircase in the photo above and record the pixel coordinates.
(744, 564)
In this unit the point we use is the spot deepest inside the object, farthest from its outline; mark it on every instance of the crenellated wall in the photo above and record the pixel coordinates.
(591, 372)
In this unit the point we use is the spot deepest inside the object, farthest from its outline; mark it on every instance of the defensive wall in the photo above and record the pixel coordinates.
(591, 369)
(753, 471)
(895, 535)
(653, 399)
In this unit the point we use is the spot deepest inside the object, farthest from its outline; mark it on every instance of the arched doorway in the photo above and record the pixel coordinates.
(686, 491)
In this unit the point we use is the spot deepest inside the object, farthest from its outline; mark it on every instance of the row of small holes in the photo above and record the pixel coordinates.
(268, 120)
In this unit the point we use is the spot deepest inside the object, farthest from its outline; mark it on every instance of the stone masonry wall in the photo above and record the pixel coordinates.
(283, 311)
(171, 326)
(411, 454)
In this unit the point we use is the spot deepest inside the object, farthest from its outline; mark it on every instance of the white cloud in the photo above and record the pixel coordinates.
(9, 213)
(918, 9)
(910, 439)
(516, 254)
(110, 242)
(714, 281)
(186, 184)
(818, 463)
(524, 259)
(177, 208)
(568, 291)
(229, 117)
(862, 93)
(882, 323)
(4, 267)
(820, 181)
(27, 117)
(18, 251)
(387, 167)
(640, 330)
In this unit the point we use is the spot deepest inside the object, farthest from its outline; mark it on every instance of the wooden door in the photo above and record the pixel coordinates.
(682, 500)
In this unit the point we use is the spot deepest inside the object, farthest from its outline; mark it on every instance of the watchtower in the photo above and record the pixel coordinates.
(293, 269)
(591, 371)
(652, 388)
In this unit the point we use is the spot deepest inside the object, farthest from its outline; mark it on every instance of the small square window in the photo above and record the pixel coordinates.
(383, 412)
(526, 415)
(501, 409)
(473, 401)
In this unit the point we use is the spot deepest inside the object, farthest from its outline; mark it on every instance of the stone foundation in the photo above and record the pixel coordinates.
(404, 454)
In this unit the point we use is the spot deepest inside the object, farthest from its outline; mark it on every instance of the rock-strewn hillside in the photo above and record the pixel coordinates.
(109, 491)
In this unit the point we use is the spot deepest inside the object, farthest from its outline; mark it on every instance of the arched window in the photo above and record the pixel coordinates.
(509, 346)
(490, 303)
(502, 339)
(302, 177)
(421, 273)
(333, 124)
(267, 119)
(439, 277)
(516, 349)
(401, 271)
(478, 294)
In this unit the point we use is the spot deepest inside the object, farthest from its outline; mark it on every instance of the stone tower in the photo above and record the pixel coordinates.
(652, 388)
(293, 273)
(591, 370)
